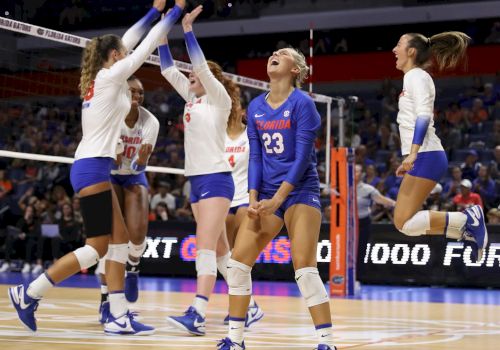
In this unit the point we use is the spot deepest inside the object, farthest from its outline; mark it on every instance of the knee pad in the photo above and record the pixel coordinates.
(239, 278)
(418, 225)
(118, 253)
(311, 287)
(222, 264)
(87, 256)
(136, 250)
(101, 266)
(97, 214)
(206, 263)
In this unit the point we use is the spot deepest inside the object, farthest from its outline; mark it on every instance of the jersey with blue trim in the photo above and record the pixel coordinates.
(281, 134)
(237, 154)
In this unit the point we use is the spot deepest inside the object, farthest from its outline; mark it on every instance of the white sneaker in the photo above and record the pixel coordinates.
(26, 268)
(38, 269)
(126, 325)
(5, 267)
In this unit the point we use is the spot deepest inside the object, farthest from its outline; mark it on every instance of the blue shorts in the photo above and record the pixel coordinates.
(234, 210)
(305, 197)
(211, 185)
(431, 165)
(130, 180)
(90, 171)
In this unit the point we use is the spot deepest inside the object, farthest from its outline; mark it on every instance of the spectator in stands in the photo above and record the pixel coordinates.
(466, 198)
(5, 185)
(471, 166)
(489, 96)
(388, 140)
(77, 214)
(493, 216)
(371, 176)
(452, 186)
(455, 115)
(26, 232)
(164, 196)
(361, 157)
(161, 212)
(478, 114)
(485, 187)
(494, 37)
(434, 201)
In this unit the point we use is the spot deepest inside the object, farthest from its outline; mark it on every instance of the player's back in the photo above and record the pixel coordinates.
(276, 130)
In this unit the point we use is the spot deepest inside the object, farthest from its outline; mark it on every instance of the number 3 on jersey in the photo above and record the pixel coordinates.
(278, 148)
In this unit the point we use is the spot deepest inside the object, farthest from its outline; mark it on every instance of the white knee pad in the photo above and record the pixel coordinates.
(101, 266)
(206, 262)
(418, 225)
(136, 250)
(87, 256)
(311, 287)
(222, 264)
(239, 278)
(118, 253)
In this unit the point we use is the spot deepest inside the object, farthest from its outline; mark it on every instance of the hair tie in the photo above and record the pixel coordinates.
(429, 43)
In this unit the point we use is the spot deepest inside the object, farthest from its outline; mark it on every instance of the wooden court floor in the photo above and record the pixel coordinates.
(67, 319)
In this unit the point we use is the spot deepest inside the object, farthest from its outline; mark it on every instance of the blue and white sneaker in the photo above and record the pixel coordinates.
(192, 322)
(325, 347)
(475, 231)
(132, 286)
(226, 320)
(104, 312)
(228, 344)
(254, 314)
(24, 305)
(126, 325)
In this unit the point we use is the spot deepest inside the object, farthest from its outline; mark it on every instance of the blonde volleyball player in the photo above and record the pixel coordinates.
(106, 100)
(425, 160)
(139, 133)
(237, 154)
(284, 189)
(210, 100)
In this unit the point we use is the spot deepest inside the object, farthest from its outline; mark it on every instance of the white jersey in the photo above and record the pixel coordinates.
(145, 131)
(205, 121)
(108, 98)
(417, 99)
(237, 155)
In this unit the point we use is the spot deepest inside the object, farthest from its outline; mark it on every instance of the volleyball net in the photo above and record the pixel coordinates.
(40, 105)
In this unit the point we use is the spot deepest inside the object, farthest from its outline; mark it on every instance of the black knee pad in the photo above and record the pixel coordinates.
(97, 214)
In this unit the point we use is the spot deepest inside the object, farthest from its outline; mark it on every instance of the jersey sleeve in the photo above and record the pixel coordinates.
(373, 192)
(170, 72)
(151, 130)
(419, 87)
(214, 89)
(308, 122)
(124, 68)
(135, 33)
(255, 157)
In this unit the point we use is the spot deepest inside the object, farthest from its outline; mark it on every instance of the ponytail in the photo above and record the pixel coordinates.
(94, 55)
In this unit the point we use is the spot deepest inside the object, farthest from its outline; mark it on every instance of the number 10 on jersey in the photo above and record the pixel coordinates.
(273, 143)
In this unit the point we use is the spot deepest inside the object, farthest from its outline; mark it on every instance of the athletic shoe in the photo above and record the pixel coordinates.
(228, 344)
(24, 305)
(132, 286)
(254, 314)
(26, 268)
(104, 312)
(192, 322)
(226, 320)
(475, 231)
(38, 269)
(325, 347)
(126, 325)
(5, 267)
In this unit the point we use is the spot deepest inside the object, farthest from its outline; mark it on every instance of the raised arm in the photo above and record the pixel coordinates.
(170, 72)
(213, 87)
(122, 69)
(135, 33)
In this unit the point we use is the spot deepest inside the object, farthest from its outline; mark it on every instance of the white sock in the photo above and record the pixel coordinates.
(39, 286)
(104, 289)
(236, 329)
(455, 223)
(222, 265)
(200, 303)
(117, 304)
(252, 302)
(324, 332)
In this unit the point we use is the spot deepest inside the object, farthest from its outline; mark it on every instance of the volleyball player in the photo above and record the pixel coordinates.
(425, 160)
(237, 154)
(138, 136)
(284, 189)
(106, 100)
(210, 100)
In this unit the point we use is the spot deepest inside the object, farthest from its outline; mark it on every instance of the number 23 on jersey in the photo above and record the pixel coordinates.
(273, 143)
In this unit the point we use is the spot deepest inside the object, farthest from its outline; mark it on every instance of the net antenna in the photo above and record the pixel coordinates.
(78, 41)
